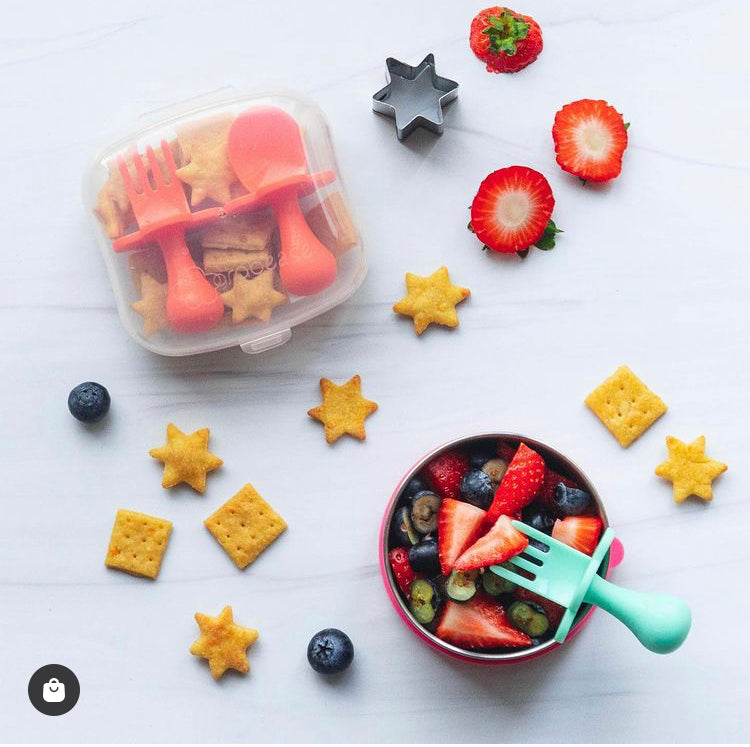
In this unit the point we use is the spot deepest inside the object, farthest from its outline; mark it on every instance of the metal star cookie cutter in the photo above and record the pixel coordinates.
(414, 96)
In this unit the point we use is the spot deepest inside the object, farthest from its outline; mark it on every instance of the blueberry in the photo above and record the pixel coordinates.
(88, 402)
(571, 501)
(425, 506)
(496, 469)
(424, 557)
(529, 617)
(424, 600)
(538, 518)
(481, 452)
(496, 585)
(414, 486)
(477, 488)
(402, 532)
(461, 585)
(330, 651)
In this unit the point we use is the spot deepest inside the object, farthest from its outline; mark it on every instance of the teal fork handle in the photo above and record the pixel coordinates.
(660, 622)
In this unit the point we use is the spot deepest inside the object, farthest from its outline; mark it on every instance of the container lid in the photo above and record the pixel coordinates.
(225, 224)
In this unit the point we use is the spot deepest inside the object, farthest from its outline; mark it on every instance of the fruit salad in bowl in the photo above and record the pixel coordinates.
(449, 521)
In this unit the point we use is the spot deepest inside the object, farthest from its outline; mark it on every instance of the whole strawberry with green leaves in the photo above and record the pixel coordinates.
(504, 40)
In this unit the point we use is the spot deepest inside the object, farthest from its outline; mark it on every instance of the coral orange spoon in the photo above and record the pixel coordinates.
(267, 154)
(163, 215)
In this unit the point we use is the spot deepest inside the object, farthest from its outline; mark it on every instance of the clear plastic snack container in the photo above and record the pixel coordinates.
(225, 223)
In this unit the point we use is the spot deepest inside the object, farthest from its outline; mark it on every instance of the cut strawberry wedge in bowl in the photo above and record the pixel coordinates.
(580, 532)
(502, 542)
(521, 482)
(459, 525)
(479, 623)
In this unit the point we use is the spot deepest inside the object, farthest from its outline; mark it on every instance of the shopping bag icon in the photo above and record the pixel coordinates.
(53, 691)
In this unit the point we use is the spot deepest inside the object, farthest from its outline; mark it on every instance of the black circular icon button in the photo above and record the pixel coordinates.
(53, 689)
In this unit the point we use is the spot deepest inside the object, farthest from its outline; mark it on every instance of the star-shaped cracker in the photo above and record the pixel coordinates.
(431, 299)
(343, 410)
(223, 642)
(689, 469)
(152, 305)
(207, 169)
(253, 297)
(186, 458)
(625, 405)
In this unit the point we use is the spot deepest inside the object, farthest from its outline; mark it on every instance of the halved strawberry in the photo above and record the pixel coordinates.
(443, 474)
(478, 623)
(398, 557)
(520, 484)
(580, 532)
(503, 541)
(459, 524)
(511, 210)
(590, 138)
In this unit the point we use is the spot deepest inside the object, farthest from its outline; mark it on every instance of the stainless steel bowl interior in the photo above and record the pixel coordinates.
(554, 459)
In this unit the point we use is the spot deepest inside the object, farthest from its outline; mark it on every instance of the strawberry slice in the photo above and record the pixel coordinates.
(511, 210)
(521, 482)
(590, 138)
(398, 557)
(443, 474)
(459, 524)
(503, 541)
(478, 623)
(580, 532)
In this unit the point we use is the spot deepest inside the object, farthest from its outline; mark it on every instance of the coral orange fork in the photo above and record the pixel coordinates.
(163, 216)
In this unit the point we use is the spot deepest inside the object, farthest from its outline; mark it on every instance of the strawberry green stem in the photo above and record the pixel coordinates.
(504, 31)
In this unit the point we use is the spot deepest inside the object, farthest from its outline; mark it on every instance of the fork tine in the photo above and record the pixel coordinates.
(155, 168)
(126, 180)
(531, 532)
(140, 171)
(535, 552)
(169, 161)
(527, 565)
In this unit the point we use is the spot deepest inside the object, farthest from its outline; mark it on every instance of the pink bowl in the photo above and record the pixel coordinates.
(559, 463)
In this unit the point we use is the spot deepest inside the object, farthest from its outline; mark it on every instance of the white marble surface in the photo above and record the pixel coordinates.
(651, 270)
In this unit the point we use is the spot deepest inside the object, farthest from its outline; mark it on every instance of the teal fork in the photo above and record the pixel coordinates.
(569, 578)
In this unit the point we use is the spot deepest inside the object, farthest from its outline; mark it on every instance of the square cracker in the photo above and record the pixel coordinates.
(138, 543)
(245, 526)
(229, 260)
(250, 232)
(625, 405)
